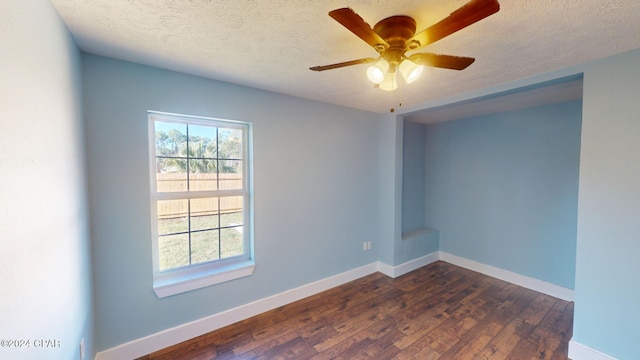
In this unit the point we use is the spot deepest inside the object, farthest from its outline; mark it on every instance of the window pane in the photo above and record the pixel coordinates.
(171, 139)
(231, 211)
(202, 142)
(231, 242)
(204, 246)
(171, 175)
(202, 175)
(173, 251)
(204, 214)
(230, 174)
(198, 163)
(172, 216)
(229, 144)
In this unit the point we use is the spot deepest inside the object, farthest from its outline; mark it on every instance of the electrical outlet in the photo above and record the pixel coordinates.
(82, 349)
(364, 246)
(368, 245)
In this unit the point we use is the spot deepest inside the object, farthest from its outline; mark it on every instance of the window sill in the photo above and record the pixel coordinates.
(181, 283)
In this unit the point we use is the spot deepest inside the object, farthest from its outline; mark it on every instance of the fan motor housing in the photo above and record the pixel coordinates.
(396, 30)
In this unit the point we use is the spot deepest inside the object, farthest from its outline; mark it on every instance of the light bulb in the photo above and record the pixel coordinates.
(390, 82)
(374, 74)
(410, 71)
(377, 71)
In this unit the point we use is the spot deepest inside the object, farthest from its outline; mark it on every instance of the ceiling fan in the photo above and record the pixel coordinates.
(394, 36)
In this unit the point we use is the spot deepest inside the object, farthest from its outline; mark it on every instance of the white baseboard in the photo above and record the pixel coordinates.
(514, 278)
(578, 351)
(178, 334)
(395, 271)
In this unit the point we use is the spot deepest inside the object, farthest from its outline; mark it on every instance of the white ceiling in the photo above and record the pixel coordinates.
(270, 44)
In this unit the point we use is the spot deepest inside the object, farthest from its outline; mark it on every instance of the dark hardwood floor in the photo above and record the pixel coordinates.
(440, 311)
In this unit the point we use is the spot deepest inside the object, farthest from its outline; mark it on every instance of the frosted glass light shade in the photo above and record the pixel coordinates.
(410, 71)
(390, 82)
(377, 71)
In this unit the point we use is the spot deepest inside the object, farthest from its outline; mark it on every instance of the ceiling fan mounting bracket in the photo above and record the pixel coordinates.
(396, 30)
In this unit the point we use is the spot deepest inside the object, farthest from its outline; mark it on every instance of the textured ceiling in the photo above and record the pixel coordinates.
(270, 44)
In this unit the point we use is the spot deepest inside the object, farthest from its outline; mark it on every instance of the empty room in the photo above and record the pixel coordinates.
(439, 179)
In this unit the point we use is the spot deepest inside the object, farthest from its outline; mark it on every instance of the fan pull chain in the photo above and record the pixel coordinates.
(395, 101)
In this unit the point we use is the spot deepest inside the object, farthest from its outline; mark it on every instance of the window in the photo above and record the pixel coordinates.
(201, 202)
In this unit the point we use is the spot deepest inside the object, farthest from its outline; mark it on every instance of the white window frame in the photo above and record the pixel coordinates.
(191, 277)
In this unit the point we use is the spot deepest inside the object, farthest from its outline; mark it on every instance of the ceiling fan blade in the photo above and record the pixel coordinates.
(472, 12)
(342, 64)
(354, 23)
(442, 61)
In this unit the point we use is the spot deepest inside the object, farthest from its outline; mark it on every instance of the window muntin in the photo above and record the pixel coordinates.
(200, 195)
(207, 229)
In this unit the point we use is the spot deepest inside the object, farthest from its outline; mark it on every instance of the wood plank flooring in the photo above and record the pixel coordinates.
(440, 311)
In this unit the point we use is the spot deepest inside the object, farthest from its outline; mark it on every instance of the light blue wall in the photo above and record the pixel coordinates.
(413, 178)
(389, 192)
(416, 240)
(502, 189)
(608, 251)
(315, 172)
(392, 249)
(45, 270)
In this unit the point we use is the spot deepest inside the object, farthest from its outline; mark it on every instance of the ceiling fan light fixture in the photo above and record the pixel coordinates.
(394, 36)
(410, 70)
(390, 82)
(377, 71)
